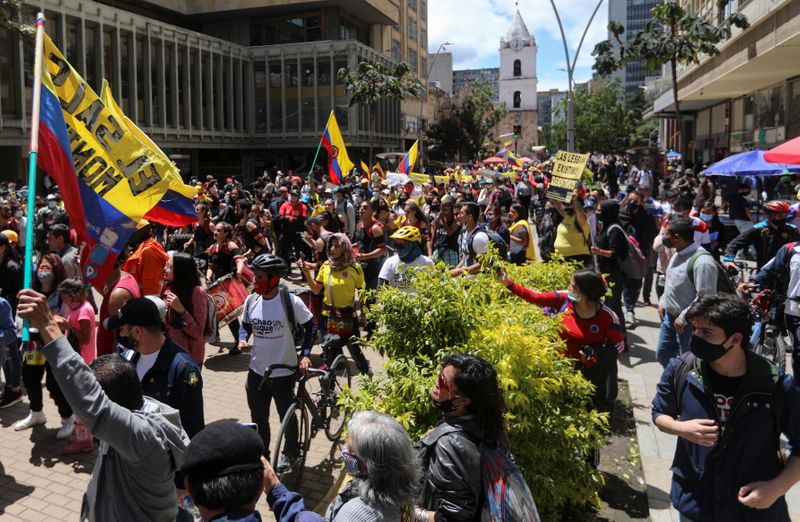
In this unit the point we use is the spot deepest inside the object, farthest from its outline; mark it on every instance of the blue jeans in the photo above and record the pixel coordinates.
(671, 343)
(11, 363)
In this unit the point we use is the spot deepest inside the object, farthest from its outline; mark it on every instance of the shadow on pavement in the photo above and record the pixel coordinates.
(638, 350)
(46, 451)
(12, 490)
(224, 362)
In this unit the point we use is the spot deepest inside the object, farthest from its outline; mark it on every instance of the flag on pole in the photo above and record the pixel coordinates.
(108, 180)
(513, 159)
(339, 163)
(364, 168)
(176, 208)
(378, 167)
(409, 160)
(504, 148)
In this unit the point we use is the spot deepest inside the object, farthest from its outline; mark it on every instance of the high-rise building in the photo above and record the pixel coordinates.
(490, 76)
(226, 88)
(632, 14)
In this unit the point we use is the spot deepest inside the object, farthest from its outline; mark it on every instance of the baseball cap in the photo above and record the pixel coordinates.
(141, 311)
(223, 448)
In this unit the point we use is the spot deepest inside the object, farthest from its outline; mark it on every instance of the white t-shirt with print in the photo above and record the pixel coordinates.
(394, 271)
(273, 342)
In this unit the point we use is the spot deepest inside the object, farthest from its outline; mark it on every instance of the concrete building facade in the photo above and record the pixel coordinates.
(466, 77)
(632, 14)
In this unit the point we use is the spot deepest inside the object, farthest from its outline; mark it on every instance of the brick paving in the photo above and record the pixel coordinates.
(38, 483)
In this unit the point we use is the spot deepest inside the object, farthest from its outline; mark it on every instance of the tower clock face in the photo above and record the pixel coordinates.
(517, 44)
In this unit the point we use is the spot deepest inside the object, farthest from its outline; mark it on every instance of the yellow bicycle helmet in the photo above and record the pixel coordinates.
(408, 233)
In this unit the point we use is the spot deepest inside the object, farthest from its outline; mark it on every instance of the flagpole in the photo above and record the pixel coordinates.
(316, 155)
(27, 267)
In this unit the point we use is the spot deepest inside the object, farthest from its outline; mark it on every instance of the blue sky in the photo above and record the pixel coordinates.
(476, 26)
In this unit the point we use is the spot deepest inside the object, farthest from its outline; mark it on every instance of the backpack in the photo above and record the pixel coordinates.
(211, 331)
(725, 284)
(298, 334)
(634, 266)
(505, 496)
(494, 238)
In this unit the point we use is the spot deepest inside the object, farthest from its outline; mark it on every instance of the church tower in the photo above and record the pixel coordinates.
(517, 86)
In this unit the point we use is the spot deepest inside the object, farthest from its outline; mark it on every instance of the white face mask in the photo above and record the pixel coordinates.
(18, 214)
(51, 204)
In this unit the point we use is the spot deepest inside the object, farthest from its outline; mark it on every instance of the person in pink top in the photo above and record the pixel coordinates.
(187, 305)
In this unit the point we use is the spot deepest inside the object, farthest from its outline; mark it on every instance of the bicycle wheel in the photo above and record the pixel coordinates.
(783, 343)
(336, 417)
(291, 475)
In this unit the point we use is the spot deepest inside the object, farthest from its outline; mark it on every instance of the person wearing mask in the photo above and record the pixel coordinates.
(635, 218)
(346, 212)
(187, 305)
(739, 207)
(267, 320)
(371, 241)
(146, 263)
(611, 250)
(226, 481)
(444, 232)
(716, 230)
(202, 231)
(572, 240)
(380, 457)
(472, 242)
(120, 287)
(141, 440)
(408, 256)
(729, 408)
(765, 236)
(225, 259)
(524, 243)
(59, 241)
(293, 214)
(468, 394)
(167, 373)
(683, 207)
(682, 288)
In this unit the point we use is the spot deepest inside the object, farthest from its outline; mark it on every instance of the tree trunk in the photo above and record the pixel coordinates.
(673, 64)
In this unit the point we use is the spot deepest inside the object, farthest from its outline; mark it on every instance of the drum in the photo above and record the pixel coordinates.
(313, 302)
(228, 294)
(248, 277)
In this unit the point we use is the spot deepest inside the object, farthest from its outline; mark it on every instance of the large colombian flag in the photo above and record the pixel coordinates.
(109, 180)
(409, 160)
(339, 163)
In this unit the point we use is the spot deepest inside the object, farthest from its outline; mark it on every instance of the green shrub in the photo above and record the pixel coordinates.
(549, 423)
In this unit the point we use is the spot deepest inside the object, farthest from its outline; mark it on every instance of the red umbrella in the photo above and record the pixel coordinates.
(494, 159)
(788, 152)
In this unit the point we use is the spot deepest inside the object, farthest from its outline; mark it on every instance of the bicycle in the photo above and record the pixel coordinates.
(324, 411)
(770, 337)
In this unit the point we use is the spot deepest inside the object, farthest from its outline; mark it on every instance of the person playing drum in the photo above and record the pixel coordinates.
(225, 258)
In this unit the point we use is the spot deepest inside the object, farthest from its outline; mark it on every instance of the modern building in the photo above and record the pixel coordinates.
(548, 103)
(746, 97)
(632, 14)
(225, 88)
(466, 77)
(442, 72)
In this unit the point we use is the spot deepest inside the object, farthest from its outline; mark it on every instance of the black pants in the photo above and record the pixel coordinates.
(258, 400)
(32, 377)
(518, 258)
(617, 282)
(603, 375)
(647, 287)
(353, 345)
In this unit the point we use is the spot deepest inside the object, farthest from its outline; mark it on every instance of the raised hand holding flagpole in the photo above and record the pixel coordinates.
(27, 267)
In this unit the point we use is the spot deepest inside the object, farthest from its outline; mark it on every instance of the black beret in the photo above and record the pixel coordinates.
(223, 448)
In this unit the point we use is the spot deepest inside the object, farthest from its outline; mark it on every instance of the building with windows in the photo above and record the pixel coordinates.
(548, 103)
(225, 88)
(489, 76)
(746, 97)
(632, 14)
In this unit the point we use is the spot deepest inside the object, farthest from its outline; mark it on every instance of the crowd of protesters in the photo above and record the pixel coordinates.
(147, 349)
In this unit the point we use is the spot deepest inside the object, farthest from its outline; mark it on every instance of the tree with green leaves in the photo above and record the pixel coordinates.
(370, 83)
(9, 18)
(673, 35)
(468, 127)
(604, 121)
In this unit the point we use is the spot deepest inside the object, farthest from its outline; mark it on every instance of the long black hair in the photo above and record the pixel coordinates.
(184, 278)
(477, 379)
(590, 283)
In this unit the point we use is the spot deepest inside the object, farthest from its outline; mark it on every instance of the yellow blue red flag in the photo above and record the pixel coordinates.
(339, 163)
(513, 159)
(409, 160)
(108, 179)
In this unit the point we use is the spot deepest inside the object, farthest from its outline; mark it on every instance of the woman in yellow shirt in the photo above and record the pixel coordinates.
(573, 237)
(340, 278)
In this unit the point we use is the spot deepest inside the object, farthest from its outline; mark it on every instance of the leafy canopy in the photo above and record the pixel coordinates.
(370, 83)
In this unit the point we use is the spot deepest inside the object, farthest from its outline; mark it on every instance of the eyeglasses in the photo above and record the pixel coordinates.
(442, 384)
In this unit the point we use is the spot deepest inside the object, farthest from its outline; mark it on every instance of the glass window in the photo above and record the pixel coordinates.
(108, 55)
(125, 75)
(8, 97)
(423, 39)
(275, 100)
(90, 40)
(286, 30)
(423, 10)
(412, 60)
(140, 49)
(183, 73)
(168, 85)
(292, 106)
(260, 72)
(412, 4)
(155, 94)
(412, 29)
(308, 74)
(517, 68)
(324, 88)
(517, 99)
(341, 100)
(397, 51)
(794, 102)
(73, 28)
(423, 67)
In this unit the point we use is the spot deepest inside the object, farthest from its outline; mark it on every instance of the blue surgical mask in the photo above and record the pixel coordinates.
(572, 296)
(706, 217)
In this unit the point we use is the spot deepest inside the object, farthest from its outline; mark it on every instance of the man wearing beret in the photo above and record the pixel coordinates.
(141, 440)
(225, 473)
(167, 372)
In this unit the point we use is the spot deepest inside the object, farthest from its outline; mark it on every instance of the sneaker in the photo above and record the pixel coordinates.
(234, 351)
(285, 463)
(10, 398)
(77, 445)
(67, 428)
(629, 317)
(34, 418)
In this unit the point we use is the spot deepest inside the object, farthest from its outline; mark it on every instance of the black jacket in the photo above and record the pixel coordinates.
(766, 240)
(452, 467)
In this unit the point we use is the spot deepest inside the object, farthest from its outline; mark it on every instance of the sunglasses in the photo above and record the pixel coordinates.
(442, 384)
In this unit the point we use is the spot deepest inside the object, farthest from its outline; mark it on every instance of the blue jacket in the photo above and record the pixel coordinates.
(8, 331)
(706, 481)
(175, 380)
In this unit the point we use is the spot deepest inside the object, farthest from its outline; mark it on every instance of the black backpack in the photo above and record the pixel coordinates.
(494, 238)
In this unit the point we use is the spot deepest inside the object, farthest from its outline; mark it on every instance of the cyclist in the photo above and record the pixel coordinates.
(409, 254)
(266, 319)
(766, 236)
(782, 274)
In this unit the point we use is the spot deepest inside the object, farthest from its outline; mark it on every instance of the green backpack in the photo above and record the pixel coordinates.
(725, 284)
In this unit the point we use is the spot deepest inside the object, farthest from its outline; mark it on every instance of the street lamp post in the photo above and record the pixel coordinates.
(571, 72)
(422, 104)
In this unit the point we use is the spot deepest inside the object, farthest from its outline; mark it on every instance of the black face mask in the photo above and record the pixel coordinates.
(667, 242)
(777, 223)
(126, 341)
(445, 406)
(705, 350)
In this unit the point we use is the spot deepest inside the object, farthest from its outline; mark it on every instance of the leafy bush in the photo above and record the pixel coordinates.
(550, 426)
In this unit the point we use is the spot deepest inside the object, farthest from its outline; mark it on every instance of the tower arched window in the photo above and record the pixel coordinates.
(517, 99)
(517, 68)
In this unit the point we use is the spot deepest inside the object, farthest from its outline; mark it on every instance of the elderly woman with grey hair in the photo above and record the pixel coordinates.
(381, 458)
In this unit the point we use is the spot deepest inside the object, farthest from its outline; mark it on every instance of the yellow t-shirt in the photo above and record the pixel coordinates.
(569, 239)
(343, 284)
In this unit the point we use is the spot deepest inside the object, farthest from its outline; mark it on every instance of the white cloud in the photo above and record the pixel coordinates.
(476, 26)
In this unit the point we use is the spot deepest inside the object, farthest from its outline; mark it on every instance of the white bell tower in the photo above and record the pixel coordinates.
(518, 67)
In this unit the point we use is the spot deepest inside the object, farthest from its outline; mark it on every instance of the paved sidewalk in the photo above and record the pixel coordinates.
(640, 368)
(38, 483)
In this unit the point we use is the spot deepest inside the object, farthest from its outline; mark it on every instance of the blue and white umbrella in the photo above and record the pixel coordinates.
(750, 163)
